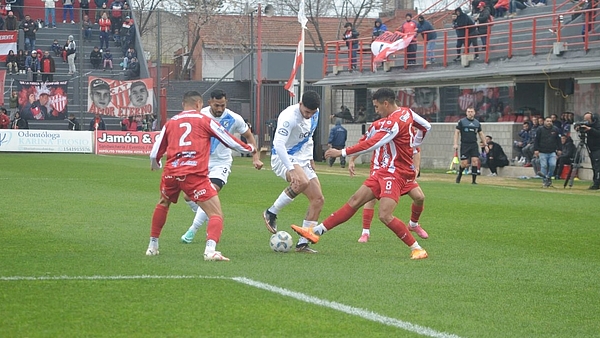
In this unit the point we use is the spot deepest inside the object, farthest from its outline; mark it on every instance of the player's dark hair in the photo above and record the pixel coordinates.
(311, 99)
(218, 94)
(191, 97)
(384, 94)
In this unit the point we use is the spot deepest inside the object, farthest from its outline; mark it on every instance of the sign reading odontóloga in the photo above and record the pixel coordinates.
(46, 141)
(110, 142)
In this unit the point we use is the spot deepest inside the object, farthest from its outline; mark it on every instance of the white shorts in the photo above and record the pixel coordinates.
(280, 170)
(219, 171)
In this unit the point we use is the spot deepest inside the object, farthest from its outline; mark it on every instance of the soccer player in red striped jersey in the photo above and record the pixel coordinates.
(392, 141)
(185, 139)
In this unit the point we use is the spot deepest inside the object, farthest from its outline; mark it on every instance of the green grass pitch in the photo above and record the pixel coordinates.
(507, 259)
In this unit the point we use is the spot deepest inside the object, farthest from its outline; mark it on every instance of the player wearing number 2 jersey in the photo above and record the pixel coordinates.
(219, 164)
(185, 139)
(392, 141)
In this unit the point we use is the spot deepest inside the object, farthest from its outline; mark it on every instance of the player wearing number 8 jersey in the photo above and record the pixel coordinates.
(185, 139)
(392, 141)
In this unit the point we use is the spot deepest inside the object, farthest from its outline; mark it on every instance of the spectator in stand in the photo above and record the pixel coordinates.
(108, 59)
(116, 17)
(133, 70)
(361, 114)
(11, 63)
(73, 123)
(126, 11)
(117, 38)
(496, 158)
(18, 122)
(17, 6)
(64, 51)
(33, 65)
(104, 30)
(29, 28)
(125, 28)
(378, 28)
(14, 103)
(429, 35)
(86, 26)
(344, 114)
(459, 23)
(71, 53)
(545, 146)
(555, 121)
(101, 10)
(565, 155)
(21, 58)
(484, 16)
(129, 124)
(337, 140)
(97, 123)
(409, 27)
(85, 7)
(96, 58)
(519, 145)
(56, 48)
(129, 55)
(528, 148)
(513, 5)
(4, 119)
(50, 11)
(11, 23)
(68, 6)
(99, 4)
(501, 8)
(48, 67)
(351, 38)
(566, 122)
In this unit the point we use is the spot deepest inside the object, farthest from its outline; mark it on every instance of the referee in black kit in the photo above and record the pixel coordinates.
(468, 128)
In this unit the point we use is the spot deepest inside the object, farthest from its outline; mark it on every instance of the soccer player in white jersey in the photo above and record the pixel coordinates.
(219, 165)
(292, 160)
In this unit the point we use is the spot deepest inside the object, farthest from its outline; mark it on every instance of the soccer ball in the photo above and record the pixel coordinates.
(281, 242)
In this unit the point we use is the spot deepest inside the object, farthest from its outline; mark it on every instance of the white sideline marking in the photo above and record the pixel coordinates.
(365, 314)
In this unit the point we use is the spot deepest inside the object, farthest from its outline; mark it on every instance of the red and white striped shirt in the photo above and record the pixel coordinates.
(392, 139)
(186, 140)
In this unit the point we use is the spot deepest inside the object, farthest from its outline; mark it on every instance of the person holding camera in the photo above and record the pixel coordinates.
(589, 129)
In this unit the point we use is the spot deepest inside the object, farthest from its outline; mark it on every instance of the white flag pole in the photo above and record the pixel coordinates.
(303, 20)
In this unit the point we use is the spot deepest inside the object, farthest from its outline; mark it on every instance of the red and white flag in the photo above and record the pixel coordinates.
(8, 42)
(389, 43)
(298, 60)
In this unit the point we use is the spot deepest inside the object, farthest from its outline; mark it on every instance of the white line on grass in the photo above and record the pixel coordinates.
(365, 314)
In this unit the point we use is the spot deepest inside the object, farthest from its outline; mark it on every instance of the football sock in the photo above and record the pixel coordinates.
(158, 220)
(366, 231)
(153, 242)
(306, 224)
(340, 216)
(460, 171)
(192, 205)
(474, 177)
(210, 246)
(367, 218)
(416, 211)
(400, 229)
(214, 228)
(320, 229)
(199, 219)
(415, 246)
(413, 224)
(280, 202)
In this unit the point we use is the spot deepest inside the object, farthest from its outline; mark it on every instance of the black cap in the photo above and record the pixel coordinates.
(100, 84)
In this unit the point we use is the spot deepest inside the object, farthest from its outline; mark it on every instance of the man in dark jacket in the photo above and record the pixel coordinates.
(484, 17)
(95, 58)
(11, 23)
(73, 123)
(545, 146)
(591, 129)
(495, 156)
(460, 23)
(378, 28)
(337, 140)
(47, 67)
(351, 38)
(427, 31)
(566, 154)
(29, 27)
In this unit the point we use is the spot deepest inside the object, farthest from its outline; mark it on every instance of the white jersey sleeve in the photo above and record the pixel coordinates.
(293, 141)
(233, 123)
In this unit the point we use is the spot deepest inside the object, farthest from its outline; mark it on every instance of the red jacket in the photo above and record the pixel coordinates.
(104, 25)
(4, 121)
(410, 27)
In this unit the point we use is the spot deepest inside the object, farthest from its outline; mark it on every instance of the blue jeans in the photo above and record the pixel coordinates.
(430, 50)
(513, 5)
(547, 164)
(103, 39)
(87, 34)
(50, 12)
(29, 44)
(70, 8)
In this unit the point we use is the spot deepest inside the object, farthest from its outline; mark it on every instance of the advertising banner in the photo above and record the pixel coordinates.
(46, 141)
(120, 98)
(110, 142)
(43, 100)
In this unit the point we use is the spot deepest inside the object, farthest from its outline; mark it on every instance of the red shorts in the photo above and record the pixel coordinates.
(384, 184)
(198, 188)
(408, 187)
